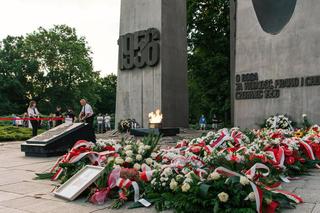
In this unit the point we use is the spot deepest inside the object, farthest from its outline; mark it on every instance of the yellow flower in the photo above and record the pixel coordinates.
(298, 134)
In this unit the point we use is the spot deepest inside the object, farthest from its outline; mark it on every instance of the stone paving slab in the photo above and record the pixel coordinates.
(306, 207)
(20, 193)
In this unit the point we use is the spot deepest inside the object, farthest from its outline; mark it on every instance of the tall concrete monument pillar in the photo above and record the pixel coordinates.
(152, 70)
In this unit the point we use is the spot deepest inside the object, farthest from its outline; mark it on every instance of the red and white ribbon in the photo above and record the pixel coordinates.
(126, 183)
(251, 173)
(220, 140)
(95, 157)
(234, 135)
(295, 198)
(309, 152)
(146, 174)
(281, 156)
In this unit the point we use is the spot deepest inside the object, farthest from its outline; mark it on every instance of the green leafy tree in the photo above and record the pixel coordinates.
(106, 91)
(208, 58)
(53, 67)
(65, 73)
(15, 70)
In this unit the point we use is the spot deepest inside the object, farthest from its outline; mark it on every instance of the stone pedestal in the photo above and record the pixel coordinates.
(153, 61)
(56, 141)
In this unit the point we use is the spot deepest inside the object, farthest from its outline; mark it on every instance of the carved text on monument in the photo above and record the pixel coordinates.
(139, 49)
(248, 85)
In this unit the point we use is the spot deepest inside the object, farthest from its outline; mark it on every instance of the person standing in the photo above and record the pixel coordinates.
(202, 122)
(107, 120)
(50, 121)
(33, 114)
(25, 120)
(87, 116)
(100, 123)
(214, 122)
(70, 115)
(59, 116)
(14, 123)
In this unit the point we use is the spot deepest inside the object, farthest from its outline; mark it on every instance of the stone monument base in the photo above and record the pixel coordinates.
(141, 132)
(56, 141)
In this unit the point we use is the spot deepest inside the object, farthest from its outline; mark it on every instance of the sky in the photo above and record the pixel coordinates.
(97, 20)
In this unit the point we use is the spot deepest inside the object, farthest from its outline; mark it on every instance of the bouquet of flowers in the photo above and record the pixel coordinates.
(127, 124)
(227, 170)
(278, 122)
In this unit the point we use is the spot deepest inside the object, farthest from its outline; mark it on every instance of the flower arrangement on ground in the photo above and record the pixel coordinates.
(229, 170)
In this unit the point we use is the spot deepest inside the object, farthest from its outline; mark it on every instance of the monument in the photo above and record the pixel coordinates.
(152, 70)
(275, 60)
(56, 141)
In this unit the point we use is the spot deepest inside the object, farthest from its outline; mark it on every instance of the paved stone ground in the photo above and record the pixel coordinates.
(20, 193)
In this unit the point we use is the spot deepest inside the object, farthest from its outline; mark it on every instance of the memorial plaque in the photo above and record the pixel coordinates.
(55, 141)
(275, 60)
(71, 189)
(152, 70)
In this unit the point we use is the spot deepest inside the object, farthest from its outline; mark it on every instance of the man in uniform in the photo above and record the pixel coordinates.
(87, 116)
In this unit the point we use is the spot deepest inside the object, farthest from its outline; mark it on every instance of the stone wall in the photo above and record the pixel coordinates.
(279, 42)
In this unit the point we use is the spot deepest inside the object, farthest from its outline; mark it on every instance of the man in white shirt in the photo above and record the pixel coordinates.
(33, 114)
(100, 123)
(107, 120)
(87, 116)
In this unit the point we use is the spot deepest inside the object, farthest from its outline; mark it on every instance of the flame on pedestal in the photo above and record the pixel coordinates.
(155, 117)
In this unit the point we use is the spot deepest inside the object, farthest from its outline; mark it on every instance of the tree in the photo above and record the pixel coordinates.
(13, 69)
(208, 58)
(65, 73)
(106, 91)
(53, 67)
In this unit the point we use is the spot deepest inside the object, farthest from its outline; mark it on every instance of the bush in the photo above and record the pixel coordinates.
(13, 133)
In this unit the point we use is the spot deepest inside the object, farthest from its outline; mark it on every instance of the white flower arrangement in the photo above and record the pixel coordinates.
(106, 142)
(278, 122)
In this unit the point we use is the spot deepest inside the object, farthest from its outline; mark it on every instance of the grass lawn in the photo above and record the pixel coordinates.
(13, 133)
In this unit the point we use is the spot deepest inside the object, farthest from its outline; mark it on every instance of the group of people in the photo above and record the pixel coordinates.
(86, 115)
(103, 123)
(56, 119)
(203, 122)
